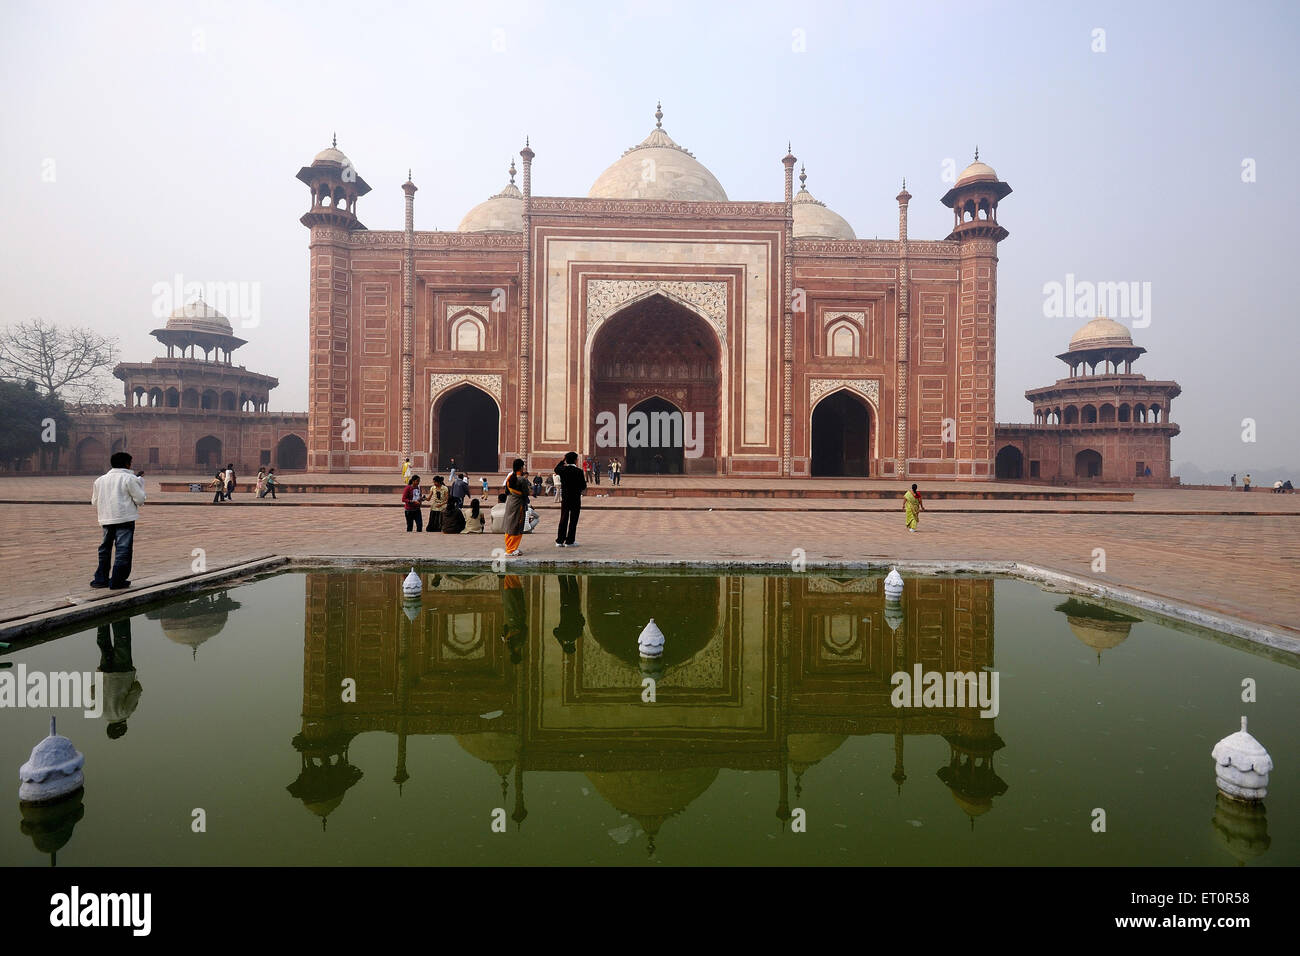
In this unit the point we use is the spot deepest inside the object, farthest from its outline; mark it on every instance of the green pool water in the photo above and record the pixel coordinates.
(509, 720)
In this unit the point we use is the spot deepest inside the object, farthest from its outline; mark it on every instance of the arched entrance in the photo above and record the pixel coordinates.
(291, 454)
(466, 428)
(658, 357)
(1087, 464)
(207, 452)
(687, 609)
(1010, 463)
(655, 438)
(92, 457)
(841, 436)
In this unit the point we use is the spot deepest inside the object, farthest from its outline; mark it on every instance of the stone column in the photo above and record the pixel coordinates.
(525, 377)
(976, 324)
(787, 324)
(328, 389)
(408, 317)
(901, 448)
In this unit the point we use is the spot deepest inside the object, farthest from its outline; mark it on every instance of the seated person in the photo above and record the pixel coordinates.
(453, 519)
(474, 522)
(497, 517)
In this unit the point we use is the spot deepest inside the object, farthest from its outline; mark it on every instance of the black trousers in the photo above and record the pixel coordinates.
(569, 511)
(414, 519)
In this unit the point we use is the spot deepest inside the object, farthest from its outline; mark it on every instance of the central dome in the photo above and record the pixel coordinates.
(657, 168)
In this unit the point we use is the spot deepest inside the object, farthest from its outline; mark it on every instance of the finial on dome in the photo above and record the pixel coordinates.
(803, 176)
(408, 174)
(977, 154)
(335, 142)
(659, 114)
(512, 170)
(904, 184)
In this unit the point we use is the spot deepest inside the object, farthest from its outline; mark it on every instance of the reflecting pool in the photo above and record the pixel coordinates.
(319, 718)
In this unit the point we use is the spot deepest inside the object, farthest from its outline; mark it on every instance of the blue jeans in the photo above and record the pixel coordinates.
(116, 546)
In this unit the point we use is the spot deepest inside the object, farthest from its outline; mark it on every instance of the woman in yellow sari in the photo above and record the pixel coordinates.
(517, 488)
(912, 508)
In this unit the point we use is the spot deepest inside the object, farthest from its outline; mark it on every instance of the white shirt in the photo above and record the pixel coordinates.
(117, 495)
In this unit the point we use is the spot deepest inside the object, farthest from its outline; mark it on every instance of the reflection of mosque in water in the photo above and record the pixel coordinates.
(758, 673)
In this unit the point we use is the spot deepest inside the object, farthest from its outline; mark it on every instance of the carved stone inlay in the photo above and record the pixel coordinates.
(440, 382)
(868, 388)
(478, 309)
(859, 317)
(607, 296)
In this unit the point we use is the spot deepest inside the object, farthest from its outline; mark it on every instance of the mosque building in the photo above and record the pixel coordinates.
(758, 338)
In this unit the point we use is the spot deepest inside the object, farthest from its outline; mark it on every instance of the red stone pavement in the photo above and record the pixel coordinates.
(1228, 552)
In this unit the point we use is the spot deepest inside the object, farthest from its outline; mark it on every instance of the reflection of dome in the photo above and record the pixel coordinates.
(652, 796)
(50, 825)
(808, 749)
(1241, 827)
(1098, 627)
(1101, 333)
(812, 220)
(191, 623)
(977, 172)
(498, 749)
(199, 317)
(657, 168)
(503, 212)
(684, 608)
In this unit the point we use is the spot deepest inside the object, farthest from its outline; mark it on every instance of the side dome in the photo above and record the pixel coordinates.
(813, 220)
(199, 317)
(503, 212)
(657, 168)
(977, 172)
(1101, 333)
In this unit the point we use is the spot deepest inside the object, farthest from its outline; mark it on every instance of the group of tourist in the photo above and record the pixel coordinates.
(1279, 487)
(223, 484)
(445, 502)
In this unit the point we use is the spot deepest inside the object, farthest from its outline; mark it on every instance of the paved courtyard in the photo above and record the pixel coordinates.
(1228, 552)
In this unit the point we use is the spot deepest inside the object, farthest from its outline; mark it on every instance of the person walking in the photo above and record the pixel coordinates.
(459, 489)
(411, 498)
(912, 508)
(230, 481)
(261, 482)
(586, 470)
(218, 486)
(437, 504)
(451, 474)
(406, 469)
(271, 482)
(517, 487)
(474, 522)
(595, 470)
(572, 485)
(117, 496)
(484, 482)
(1233, 481)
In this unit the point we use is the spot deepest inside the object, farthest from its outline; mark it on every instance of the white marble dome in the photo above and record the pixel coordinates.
(1101, 333)
(503, 212)
(198, 316)
(977, 172)
(813, 220)
(657, 168)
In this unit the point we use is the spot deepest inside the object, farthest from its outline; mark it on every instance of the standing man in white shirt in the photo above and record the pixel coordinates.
(117, 496)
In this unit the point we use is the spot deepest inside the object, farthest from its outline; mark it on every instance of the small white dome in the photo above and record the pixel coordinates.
(977, 172)
(813, 220)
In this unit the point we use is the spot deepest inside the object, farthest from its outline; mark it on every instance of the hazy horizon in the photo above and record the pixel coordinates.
(144, 141)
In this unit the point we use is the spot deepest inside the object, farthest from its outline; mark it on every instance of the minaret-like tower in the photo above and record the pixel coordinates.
(787, 347)
(525, 305)
(974, 202)
(904, 323)
(335, 187)
(408, 316)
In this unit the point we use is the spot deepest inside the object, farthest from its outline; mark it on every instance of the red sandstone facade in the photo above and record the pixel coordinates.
(803, 349)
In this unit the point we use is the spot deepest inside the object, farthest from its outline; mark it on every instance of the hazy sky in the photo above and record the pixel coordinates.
(172, 133)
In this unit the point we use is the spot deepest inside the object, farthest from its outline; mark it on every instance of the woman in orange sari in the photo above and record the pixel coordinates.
(517, 489)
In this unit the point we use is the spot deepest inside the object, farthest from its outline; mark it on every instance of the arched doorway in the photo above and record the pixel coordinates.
(1087, 464)
(207, 452)
(687, 609)
(466, 427)
(657, 356)
(1010, 463)
(656, 443)
(291, 454)
(841, 436)
(92, 457)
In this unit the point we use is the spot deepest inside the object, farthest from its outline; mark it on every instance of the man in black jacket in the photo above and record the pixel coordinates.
(572, 484)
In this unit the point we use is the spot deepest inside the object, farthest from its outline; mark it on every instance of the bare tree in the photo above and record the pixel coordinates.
(66, 362)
